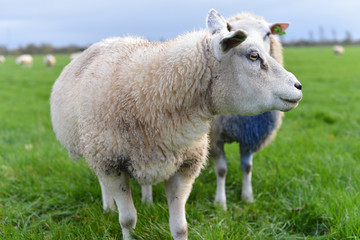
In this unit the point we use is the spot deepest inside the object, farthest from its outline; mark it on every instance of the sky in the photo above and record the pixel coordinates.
(83, 22)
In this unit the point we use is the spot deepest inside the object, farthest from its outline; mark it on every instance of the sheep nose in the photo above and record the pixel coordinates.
(298, 86)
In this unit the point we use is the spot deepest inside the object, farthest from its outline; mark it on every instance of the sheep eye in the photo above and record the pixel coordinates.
(254, 56)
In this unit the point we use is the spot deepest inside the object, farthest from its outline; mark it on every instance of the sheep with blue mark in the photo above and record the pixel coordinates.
(252, 133)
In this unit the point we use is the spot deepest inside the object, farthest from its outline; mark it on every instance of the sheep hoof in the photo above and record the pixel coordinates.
(109, 209)
(221, 204)
(247, 198)
(147, 202)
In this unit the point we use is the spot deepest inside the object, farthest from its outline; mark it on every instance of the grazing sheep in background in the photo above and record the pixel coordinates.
(138, 109)
(74, 55)
(49, 60)
(24, 60)
(2, 59)
(338, 50)
(252, 133)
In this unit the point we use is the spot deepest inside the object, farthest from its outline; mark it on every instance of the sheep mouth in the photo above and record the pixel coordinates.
(291, 101)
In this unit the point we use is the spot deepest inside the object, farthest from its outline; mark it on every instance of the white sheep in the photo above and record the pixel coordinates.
(252, 133)
(138, 109)
(338, 49)
(49, 60)
(2, 59)
(24, 60)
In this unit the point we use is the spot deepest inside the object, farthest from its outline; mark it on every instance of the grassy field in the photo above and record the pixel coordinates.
(306, 183)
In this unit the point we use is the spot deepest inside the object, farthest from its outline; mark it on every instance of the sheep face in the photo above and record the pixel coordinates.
(248, 80)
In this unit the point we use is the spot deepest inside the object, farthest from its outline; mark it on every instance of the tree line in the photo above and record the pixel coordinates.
(322, 41)
(41, 49)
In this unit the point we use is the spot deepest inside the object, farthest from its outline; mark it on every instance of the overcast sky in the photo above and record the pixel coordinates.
(83, 22)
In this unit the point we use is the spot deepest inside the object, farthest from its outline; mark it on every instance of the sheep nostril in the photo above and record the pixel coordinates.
(298, 86)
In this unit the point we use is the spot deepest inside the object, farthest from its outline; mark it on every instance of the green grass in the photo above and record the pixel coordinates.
(306, 183)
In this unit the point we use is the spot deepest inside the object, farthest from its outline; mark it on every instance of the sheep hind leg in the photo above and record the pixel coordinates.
(146, 194)
(107, 199)
(220, 170)
(119, 187)
(178, 188)
(246, 168)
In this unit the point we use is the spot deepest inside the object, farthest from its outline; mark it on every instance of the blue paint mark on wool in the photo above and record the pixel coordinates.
(250, 132)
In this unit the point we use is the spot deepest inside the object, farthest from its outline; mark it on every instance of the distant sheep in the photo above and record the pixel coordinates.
(24, 60)
(2, 59)
(252, 133)
(133, 108)
(338, 50)
(49, 60)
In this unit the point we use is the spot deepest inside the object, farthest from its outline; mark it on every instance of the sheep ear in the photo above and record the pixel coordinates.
(215, 22)
(278, 28)
(232, 40)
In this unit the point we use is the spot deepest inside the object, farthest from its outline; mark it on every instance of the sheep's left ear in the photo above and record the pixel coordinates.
(215, 22)
(281, 26)
(232, 40)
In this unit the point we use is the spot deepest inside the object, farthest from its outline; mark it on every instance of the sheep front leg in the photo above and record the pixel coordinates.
(107, 199)
(246, 167)
(178, 188)
(119, 188)
(146, 194)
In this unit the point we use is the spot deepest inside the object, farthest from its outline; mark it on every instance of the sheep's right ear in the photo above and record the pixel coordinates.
(215, 22)
(232, 40)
